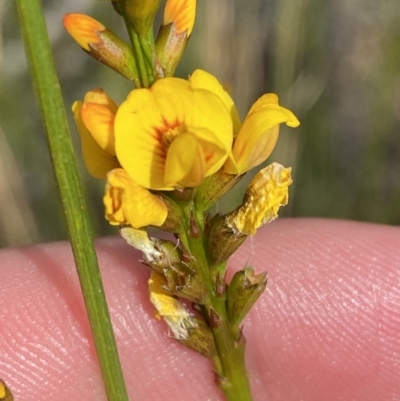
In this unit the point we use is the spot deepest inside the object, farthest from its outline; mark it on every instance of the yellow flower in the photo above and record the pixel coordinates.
(83, 29)
(125, 201)
(128, 203)
(181, 13)
(258, 134)
(267, 192)
(174, 134)
(94, 118)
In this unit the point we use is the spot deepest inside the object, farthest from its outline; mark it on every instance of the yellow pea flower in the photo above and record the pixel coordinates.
(259, 133)
(256, 138)
(128, 203)
(173, 134)
(267, 192)
(94, 118)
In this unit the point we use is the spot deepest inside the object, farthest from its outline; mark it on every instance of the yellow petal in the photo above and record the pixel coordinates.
(203, 80)
(99, 120)
(182, 13)
(83, 29)
(259, 133)
(149, 121)
(98, 96)
(185, 164)
(98, 161)
(128, 203)
(138, 129)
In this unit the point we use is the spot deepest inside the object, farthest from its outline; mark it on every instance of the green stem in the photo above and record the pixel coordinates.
(51, 104)
(229, 364)
(143, 50)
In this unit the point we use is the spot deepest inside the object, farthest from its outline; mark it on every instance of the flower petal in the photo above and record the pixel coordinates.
(128, 203)
(98, 161)
(137, 140)
(99, 120)
(185, 164)
(259, 134)
(203, 80)
(99, 96)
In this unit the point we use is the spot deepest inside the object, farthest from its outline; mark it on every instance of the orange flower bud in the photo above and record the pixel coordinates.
(84, 29)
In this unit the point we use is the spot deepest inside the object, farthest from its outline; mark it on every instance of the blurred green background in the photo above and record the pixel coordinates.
(335, 63)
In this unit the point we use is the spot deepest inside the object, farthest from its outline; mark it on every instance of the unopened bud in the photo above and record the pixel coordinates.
(214, 188)
(179, 16)
(173, 223)
(186, 285)
(102, 44)
(222, 241)
(243, 292)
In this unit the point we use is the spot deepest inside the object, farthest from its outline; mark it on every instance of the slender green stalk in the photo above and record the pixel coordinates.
(229, 364)
(143, 50)
(48, 92)
(233, 379)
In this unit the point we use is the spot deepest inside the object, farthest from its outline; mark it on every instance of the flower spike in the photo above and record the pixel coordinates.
(169, 152)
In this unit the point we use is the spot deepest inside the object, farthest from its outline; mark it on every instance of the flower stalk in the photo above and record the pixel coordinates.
(228, 360)
(139, 16)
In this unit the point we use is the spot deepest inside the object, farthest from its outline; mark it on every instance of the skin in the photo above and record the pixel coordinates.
(327, 327)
